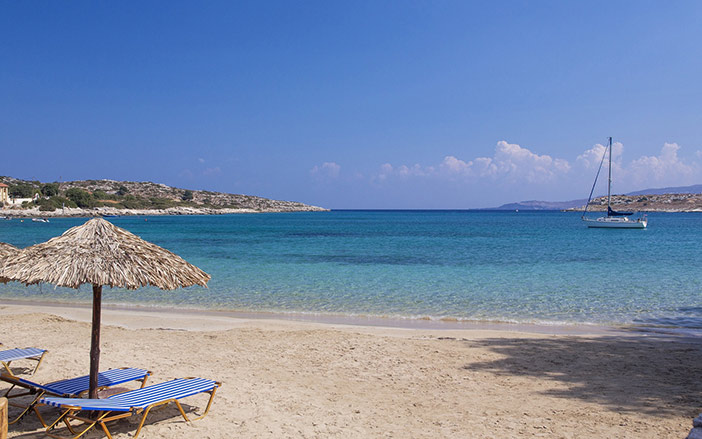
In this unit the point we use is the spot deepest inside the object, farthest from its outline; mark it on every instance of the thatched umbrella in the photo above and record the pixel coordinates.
(100, 253)
(6, 250)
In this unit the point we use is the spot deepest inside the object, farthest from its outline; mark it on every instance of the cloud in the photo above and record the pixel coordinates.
(591, 158)
(414, 171)
(666, 167)
(521, 164)
(385, 172)
(201, 160)
(510, 161)
(212, 171)
(326, 170)
(455, 165)
(516, 168)
(403, 171)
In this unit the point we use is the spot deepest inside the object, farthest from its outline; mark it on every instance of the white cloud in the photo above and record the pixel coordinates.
(326, 170)
(517, 167)
(453, 165)
(212, 171)
(385, 171)
(201, 160)
(403, 171)
(666, 167)
(509, 161)
(521, 164)
(414, 171)
(592, 158)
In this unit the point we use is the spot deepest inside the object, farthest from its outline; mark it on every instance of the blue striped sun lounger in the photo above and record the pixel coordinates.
(9, 355)
(73, 387)
(123, 405)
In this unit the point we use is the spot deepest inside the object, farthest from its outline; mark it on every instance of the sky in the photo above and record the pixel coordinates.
(354, 104)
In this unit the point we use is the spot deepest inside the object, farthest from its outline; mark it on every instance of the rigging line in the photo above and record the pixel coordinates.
(595, 182)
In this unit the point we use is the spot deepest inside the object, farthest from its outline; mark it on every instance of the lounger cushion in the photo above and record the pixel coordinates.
(19, 354)
(75, 386)
(140, 398)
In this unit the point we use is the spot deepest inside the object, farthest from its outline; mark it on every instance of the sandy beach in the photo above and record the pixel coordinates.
(289, 379)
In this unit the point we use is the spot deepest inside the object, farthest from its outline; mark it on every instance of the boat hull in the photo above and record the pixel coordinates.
(605, 224)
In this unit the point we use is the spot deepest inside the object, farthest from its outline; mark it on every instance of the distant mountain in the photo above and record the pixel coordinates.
(560, 205)
(694, 189)
(542, 205)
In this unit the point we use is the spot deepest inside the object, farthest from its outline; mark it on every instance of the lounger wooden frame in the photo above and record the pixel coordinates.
(40, 393)
(37, 358)
(101, 418)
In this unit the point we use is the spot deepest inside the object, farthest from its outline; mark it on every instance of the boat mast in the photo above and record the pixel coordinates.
(609, 183)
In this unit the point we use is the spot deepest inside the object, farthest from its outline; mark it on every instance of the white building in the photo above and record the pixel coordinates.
(4, 194)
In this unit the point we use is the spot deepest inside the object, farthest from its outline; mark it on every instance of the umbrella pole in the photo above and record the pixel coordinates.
(95, 341)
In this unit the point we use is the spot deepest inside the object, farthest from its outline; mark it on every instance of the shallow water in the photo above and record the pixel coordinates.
(488, 266)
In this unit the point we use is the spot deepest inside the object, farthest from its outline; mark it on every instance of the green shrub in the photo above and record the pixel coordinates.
(83, 199)
(53, 203)
(100, 195)
(132, 202)
(46, 205)
(22, 190)
(161, 203)
(60, 202)
(50, 189)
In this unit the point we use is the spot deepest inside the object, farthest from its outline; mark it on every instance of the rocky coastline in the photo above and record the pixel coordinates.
(107, 211)
(87, 198)
(647, 203)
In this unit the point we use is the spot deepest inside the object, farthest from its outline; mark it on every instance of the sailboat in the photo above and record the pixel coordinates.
(613, 219)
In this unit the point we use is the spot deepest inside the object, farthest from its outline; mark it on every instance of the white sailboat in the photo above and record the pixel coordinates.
(613, 219)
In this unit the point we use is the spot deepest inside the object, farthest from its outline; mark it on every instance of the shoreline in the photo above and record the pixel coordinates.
(193, 319)
(171, 211)
(191, 211)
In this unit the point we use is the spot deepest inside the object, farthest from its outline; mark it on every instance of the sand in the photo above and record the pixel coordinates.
(287, 379)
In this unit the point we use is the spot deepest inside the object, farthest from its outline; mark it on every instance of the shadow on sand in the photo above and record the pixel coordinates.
(30, 427)
(656, 374)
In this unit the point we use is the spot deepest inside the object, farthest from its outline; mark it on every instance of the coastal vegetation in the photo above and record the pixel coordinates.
(128, 195)
(649, 203)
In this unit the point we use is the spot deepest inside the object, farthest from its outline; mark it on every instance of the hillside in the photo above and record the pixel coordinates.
(649, 203)
(694, 189)
(541, 205)
(129, 197)
(682, 198)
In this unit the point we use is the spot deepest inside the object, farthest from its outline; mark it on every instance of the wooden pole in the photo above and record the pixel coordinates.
(95, 341)
(3, 418)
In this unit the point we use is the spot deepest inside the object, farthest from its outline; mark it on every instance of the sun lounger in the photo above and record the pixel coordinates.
(73, 387)
(9, 355)
(124, 405)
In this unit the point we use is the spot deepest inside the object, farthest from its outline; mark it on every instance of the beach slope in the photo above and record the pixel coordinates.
(307, 380)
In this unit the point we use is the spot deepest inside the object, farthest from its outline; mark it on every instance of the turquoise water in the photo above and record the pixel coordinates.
(484, 266)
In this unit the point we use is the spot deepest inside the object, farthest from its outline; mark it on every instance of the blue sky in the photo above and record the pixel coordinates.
(407, 104)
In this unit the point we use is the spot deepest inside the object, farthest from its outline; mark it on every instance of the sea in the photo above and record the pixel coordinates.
(526, 267)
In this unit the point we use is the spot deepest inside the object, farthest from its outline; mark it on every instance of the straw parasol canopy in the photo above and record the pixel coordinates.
(6, 250)
(100, 253)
